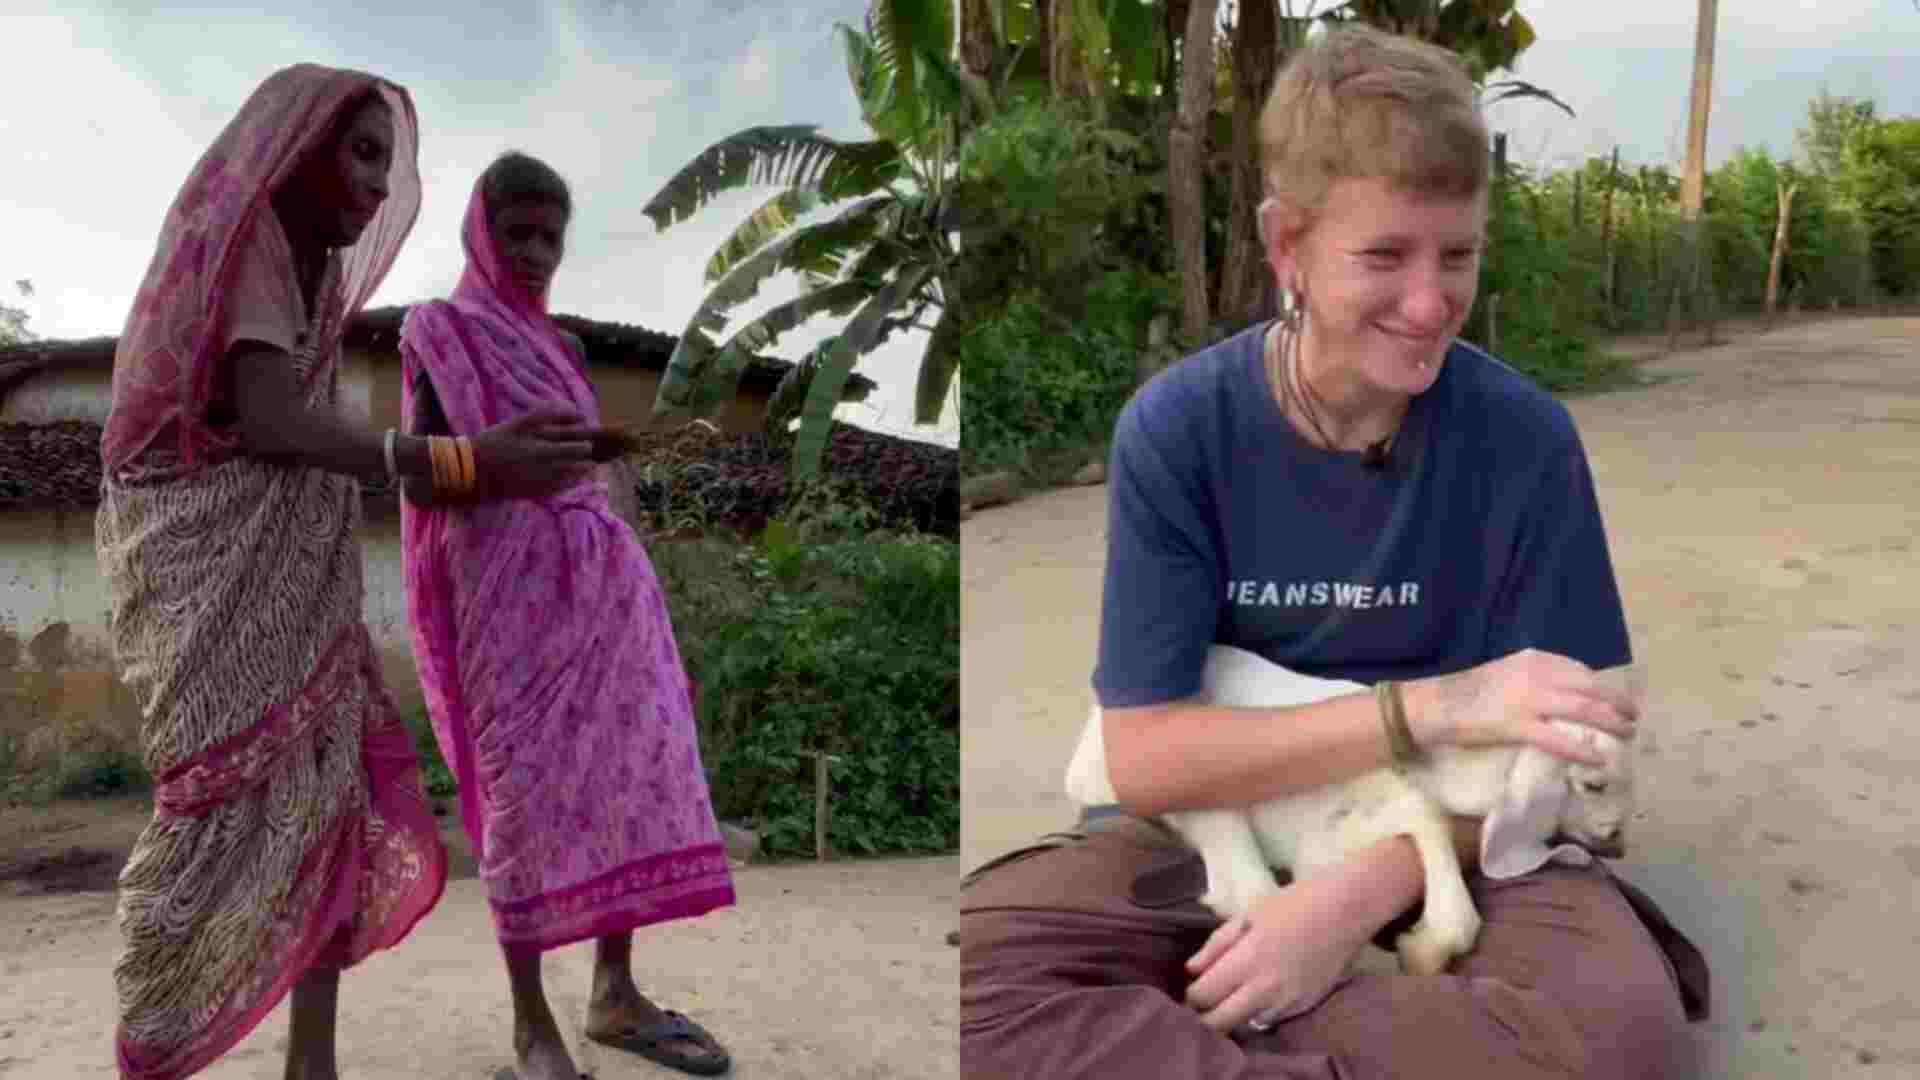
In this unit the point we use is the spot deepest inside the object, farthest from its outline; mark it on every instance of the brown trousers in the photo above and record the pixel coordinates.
(1072, 954)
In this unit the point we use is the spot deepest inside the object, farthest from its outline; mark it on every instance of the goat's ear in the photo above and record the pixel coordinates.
(1513, 839)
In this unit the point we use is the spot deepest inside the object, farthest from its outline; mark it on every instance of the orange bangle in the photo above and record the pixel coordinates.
(465, 447)
(442, 473)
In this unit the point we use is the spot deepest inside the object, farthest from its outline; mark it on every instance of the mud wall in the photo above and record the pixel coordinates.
(59, 691)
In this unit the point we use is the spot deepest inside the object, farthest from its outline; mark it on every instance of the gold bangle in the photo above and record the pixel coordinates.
(465, 447)
(1393, 717)
(442, 468)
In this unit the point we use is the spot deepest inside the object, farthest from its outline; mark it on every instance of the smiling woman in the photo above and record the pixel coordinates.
(1350, 493)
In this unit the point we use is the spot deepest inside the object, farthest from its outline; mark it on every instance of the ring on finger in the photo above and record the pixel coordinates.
(1264, 1022)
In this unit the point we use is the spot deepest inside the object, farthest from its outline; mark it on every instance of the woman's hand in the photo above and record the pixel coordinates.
(543, 451)
(1276, 962)
(1510, 700)
(1293, 949)
(537, 441)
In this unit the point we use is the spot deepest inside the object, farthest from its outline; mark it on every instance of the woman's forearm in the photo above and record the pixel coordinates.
(274, 422)
(1374, 887)
(1195, 757)
(328, 441)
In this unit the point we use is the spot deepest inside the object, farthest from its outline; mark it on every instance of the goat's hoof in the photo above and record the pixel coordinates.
(1427, 950)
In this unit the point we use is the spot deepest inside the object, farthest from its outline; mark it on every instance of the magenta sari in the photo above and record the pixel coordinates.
(546, 653)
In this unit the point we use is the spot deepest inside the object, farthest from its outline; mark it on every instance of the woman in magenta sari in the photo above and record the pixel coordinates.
(547, 656)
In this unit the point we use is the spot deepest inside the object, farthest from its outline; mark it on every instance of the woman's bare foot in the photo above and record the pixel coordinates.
(539, 1051)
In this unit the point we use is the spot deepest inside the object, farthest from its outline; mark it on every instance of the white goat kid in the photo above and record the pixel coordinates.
(1526, 796)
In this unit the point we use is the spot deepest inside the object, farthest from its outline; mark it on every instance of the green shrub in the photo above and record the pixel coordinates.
(1040, 387)
(433, 767)
(73, 775)
(849, 648)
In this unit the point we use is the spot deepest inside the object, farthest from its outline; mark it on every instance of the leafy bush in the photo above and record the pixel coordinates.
(850, 648)
(434, 773)
(79, 774)
(1040, 386)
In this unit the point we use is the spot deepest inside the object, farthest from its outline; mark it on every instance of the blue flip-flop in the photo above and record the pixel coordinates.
(649, 1041)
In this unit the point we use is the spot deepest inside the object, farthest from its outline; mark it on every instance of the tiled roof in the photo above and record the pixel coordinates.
(378, 331)
(50, 466)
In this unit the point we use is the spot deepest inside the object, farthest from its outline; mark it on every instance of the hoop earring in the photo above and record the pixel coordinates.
(1293, 308)
(1289, 315)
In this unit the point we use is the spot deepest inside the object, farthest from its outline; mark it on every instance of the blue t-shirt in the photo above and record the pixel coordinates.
(1481, 537)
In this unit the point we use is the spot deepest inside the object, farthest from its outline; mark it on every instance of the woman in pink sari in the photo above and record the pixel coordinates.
(547, 655)
(290, 837)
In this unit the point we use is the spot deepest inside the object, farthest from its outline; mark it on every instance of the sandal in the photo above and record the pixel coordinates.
(651, 1041)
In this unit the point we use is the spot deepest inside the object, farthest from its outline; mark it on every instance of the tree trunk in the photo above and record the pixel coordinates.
(1693, 178)
(1042, 43)
(1784, 192)
(1186, 165)
(1071, 69)
(979, 46)
(1611, 283)
(1489, 255)
(1256, 54)
(980, 57)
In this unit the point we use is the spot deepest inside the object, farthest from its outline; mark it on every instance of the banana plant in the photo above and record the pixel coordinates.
(878, 252)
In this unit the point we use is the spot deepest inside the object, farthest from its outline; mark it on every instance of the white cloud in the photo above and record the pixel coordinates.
(758, 71)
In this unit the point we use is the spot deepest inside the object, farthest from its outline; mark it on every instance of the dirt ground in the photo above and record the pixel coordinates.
(837, 969)
(1762, 505)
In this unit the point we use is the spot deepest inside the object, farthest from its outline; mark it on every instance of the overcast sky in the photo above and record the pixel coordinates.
(1626, 66)
(108, 106)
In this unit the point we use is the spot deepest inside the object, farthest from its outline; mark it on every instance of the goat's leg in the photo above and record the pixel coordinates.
(1238, 876)
(1449, 923)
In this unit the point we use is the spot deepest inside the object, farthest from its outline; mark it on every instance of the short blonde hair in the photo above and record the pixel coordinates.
(1360, 103)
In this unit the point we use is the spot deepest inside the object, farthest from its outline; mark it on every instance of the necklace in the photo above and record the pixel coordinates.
(1283, 369)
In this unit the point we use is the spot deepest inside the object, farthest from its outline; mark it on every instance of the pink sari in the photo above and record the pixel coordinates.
(546, 653)
(290, 828)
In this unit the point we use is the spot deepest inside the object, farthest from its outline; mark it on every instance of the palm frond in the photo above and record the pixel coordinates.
(689, 380)
(909, 94)
(774, 217)
(860, 335)
(1514, 88)
(760, 334)
(791, 156)
(937, 370)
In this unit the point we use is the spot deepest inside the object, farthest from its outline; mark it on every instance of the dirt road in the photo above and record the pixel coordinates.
(821, 970)
(1763, 505)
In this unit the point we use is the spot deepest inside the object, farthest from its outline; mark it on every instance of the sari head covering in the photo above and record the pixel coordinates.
(163, 368)
(290, 826)
(545, 648)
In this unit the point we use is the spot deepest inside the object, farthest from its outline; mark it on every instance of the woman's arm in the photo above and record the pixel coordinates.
(1191, 756)
(273, 421)
(428, 419)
